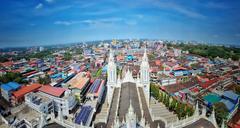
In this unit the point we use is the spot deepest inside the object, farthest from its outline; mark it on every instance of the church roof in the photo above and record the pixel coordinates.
(201, 123)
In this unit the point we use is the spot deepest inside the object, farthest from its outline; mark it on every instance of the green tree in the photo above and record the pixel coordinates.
(67, 56)
(173, 105)
(237, 89)
(167, 101)
(44, 80)
(12, 76)
(189, 111)
(119, 72)
(99, 72)
(221, 112)
(160, 97)
(154, 90)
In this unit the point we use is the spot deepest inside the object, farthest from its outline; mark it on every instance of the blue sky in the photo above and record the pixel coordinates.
(42, 22)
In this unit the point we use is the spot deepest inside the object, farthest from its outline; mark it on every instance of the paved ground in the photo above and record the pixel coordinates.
(113, 108)
(128, 92)
(202, 123)
(146, 114)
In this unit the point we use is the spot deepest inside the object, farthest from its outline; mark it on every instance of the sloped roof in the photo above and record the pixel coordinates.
(201, 123)
(26, 89)
(55, 91)
(78, 81)
(228, 104)
(231, 95)
(10, 86)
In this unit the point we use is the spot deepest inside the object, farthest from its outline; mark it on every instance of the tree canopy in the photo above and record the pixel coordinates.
(210, 51)
(221, 112)
(11, 76)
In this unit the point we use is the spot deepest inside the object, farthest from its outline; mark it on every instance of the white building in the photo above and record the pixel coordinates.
(46, 103)
(143, 81)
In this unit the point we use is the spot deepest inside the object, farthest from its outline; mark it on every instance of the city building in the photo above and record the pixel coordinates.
(8, 88)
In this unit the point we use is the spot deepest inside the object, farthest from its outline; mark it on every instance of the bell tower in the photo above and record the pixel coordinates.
(112, 76)
(144, 76)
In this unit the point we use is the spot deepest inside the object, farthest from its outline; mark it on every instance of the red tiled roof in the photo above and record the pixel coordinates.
(194, 89)
(179, 86)
(170, 64)
(26, 89)
(55, 91)
(7, 64)
(30, 73)
(208, 83)
(158, 62)
(179, 68)
(78, 81)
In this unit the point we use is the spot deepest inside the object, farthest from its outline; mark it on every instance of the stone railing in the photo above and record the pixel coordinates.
(157, 118)
(140, 101)
(118, 99)
(4, 120)
(186, 121)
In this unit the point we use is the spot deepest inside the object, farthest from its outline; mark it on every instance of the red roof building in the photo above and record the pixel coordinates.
(18, 96)
(7, 64)
(158, 62)
(54, 91)
(208, 83)
(79, 81)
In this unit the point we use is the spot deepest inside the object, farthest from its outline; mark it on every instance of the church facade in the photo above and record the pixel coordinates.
(128, 101)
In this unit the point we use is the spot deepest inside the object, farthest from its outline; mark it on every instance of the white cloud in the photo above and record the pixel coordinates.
(131, 22)
(178, 8)
(237, 34)
(67, 23)
(90, 21)
(140, 16)
(101, 11)
(216, 5)
(39, 6)
(216, 36)
(51, 11)
(32, 24)
(49, 1)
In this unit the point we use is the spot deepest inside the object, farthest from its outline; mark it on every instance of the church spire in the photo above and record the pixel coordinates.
(111, 56)
(130, 109)
(145, 58)
(145, 76)
(112, 76)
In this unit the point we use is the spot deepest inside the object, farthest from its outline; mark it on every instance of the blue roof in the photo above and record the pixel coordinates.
(230, 106)
(104, 69)
(10, 86)
(56, 75)
(14, 85)
(84, 114)
(231, 95)
(94, 87)
(6, 87)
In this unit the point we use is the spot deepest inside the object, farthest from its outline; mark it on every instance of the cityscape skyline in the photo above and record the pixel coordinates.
(45, 22)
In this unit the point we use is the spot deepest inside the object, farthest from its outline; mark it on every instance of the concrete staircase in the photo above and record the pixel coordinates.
(102, 116)
(113, 110)
(159, 110)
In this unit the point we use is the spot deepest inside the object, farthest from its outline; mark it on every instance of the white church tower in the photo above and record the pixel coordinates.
(144, 76)
(112, 76)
